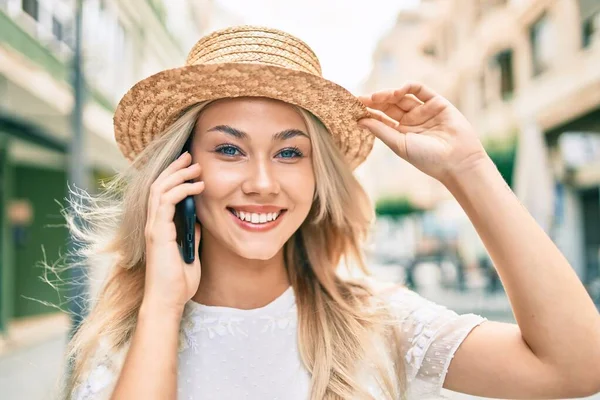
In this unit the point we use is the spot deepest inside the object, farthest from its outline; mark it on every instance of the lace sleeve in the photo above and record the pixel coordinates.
(432, 335)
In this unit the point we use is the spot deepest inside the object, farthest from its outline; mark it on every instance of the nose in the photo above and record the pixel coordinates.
(261, 178)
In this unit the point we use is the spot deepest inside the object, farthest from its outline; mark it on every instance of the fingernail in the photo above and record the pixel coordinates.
(184, 153)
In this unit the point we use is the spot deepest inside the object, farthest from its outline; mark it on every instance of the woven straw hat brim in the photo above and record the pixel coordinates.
(154, 103)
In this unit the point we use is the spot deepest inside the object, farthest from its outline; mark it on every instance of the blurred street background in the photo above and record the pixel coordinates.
(526, 73)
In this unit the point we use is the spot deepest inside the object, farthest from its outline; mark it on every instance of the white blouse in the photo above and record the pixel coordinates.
(228, 353)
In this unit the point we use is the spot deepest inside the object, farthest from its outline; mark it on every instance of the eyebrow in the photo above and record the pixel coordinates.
(283, 135)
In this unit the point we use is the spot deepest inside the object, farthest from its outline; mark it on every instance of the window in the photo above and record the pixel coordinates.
(57, 29)
(429, 50)
(108, 56)
(68, 32)
(504, 61)
(589, 12)
(591, 30)
(388, 63)
(31, 7)
(542, 46)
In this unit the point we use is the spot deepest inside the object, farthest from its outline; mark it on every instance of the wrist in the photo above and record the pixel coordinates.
(478, 168)
(155, 309)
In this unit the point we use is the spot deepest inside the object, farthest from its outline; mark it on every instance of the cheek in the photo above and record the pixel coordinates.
(220, 176)
(300, 188)
(219, 183)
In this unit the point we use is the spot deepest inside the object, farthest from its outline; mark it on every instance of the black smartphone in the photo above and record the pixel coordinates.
(187, 213)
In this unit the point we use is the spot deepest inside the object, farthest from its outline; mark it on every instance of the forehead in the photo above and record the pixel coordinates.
(251, 115)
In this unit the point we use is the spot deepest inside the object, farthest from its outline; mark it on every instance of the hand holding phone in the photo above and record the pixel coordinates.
(170, 281)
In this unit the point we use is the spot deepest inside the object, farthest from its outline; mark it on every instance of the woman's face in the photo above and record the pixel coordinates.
(256, 162)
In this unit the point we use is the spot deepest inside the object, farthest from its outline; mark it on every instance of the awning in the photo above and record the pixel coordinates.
(33, 133)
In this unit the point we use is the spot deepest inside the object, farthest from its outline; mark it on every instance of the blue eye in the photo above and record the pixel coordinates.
(290, 153)
(228, 150)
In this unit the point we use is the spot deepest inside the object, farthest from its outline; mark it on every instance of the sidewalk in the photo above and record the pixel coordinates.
(460, 396)
(32, 373)
(473, 300)
(31, 356)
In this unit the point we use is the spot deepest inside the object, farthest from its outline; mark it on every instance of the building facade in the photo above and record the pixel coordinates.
(521, 71)
(123, 42)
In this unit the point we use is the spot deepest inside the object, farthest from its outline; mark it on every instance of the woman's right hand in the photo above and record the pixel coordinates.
(170, 282)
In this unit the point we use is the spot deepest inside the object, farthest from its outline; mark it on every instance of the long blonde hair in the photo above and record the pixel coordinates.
(341, 323)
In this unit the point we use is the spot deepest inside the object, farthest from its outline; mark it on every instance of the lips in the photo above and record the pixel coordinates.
(255, 218)
(256, 221)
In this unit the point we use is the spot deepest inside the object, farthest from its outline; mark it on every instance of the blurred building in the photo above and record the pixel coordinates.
(123, 42)
(524, 70)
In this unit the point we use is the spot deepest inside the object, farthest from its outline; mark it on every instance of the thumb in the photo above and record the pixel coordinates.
(391, 137)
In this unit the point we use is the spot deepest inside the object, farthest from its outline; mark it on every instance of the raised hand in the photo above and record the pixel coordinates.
(170, 282)
(423, 128)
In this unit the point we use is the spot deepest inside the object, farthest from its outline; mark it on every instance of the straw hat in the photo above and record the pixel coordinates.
(235, 62)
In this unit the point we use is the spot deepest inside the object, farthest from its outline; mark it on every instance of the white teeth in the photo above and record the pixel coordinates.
(256, 218)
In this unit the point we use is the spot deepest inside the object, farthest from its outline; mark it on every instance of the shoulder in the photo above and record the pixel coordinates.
(398, 296)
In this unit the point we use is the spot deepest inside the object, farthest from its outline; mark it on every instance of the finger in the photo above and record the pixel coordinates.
(400, 127)
(159, 186)
(390, 136)
(420, 91)
(398, 110)
(181, 162)
(409, 102)
(426, 113)
(383, 117)
(178, 177)
(366, 100)
(166, 209)
(387, 96)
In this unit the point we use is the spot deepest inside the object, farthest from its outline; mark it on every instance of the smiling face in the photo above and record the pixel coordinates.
(256, 159)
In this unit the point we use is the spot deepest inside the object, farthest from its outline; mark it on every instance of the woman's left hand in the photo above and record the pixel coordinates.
(425, 129)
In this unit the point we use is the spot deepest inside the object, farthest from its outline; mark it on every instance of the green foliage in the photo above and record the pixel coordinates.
(503, 153)
(396, 207)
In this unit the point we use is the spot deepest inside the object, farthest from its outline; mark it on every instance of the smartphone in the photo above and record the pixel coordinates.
(187, 213)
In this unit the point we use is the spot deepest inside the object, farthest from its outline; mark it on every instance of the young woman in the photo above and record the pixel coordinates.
(262, 312)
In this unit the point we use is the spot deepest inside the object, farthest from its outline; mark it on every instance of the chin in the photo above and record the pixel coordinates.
(262, 252)
(257, 248)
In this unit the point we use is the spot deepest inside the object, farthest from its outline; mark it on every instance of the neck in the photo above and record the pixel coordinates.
(229, 280)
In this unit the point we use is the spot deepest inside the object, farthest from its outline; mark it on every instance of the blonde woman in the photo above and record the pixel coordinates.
(261, 313)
